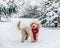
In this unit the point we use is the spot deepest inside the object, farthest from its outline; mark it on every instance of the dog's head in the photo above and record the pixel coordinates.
(35, 24)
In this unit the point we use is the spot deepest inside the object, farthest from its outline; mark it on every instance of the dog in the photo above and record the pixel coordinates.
(32, 30)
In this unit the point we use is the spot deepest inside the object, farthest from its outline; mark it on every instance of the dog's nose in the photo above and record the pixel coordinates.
(33, 26)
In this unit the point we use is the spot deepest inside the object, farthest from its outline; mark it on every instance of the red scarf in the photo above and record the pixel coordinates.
(35, 31)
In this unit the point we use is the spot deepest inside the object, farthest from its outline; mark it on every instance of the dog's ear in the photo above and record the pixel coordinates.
(39, 25)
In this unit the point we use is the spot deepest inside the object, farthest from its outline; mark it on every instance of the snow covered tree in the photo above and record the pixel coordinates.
(12, 7)
(50, 15)
(7, 8)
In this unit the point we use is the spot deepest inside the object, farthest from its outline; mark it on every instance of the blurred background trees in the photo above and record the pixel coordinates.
(47, 12)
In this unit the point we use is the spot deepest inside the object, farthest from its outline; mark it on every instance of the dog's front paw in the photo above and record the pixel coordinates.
(33, 41)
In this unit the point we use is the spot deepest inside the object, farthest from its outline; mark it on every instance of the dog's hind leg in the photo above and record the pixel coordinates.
(26, 36)
(23, 36)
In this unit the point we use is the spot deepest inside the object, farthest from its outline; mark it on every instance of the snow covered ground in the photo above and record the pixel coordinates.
(10, 36)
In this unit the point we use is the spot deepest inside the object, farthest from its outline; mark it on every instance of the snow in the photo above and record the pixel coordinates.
(55, 4)
(10, 36)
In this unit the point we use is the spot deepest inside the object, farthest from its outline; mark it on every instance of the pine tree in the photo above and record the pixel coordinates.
(51, 15)
(5, 11)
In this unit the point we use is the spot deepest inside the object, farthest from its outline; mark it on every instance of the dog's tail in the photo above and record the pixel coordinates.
(18, 25)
